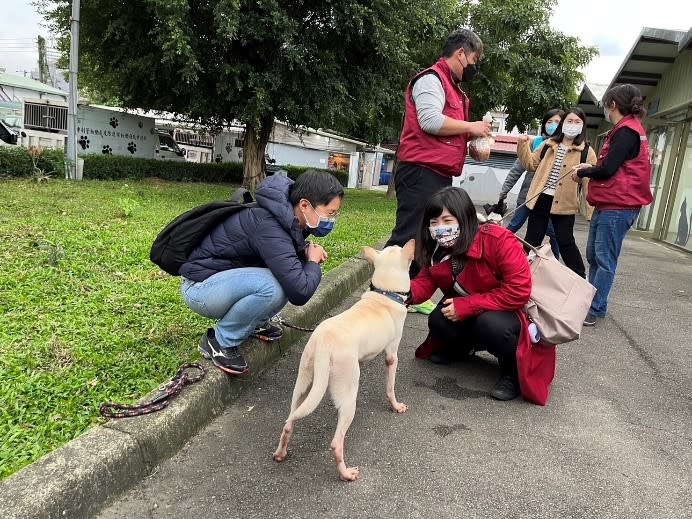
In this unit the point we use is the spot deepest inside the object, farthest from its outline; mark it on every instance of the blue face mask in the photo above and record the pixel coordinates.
(324, 226)
(550, 128)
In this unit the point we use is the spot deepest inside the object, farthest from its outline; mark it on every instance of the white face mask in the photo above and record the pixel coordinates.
(572, 130)
(606, 114)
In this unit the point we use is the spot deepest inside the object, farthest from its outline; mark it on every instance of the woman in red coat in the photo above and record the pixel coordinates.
(486, 281)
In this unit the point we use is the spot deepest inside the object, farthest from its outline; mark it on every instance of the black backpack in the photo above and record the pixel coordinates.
(584, 152)
(174, 244)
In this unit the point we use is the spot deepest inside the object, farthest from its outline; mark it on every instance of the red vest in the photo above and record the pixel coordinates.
(443, 155)
(630, 187)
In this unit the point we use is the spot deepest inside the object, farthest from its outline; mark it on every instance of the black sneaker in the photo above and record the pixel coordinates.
(590, 320)
(268, 332)
(227, 359)
(507, 388)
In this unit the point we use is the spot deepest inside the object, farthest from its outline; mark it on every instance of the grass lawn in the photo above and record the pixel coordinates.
(85, 317)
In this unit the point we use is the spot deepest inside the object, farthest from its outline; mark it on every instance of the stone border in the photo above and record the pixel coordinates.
(80, 478)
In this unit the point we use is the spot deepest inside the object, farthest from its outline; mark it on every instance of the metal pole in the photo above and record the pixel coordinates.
(71, 169)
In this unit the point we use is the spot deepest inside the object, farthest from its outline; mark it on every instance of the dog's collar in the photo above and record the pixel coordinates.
(399, 297)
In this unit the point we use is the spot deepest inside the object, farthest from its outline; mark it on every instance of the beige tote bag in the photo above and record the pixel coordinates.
(560, 299)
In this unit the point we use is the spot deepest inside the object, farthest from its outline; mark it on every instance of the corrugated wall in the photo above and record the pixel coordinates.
(675, 87)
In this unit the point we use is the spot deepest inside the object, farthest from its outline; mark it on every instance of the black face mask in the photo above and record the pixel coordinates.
(470, 72)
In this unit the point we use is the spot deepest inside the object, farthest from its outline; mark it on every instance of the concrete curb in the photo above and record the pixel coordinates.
(80, 478)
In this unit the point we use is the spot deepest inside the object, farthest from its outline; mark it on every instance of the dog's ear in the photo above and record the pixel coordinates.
(410, 248)
(370, 254)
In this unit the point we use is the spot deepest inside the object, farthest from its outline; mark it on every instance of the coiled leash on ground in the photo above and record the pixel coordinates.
(280, 320)
(169, 389)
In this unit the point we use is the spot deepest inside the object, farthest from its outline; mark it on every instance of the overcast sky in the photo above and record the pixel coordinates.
(595, 22)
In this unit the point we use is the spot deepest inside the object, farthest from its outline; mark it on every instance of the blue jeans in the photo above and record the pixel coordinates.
(521, 215)
(240, 299)
(606, 234)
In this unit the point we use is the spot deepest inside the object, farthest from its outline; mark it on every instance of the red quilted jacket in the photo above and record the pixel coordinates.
(498, 277)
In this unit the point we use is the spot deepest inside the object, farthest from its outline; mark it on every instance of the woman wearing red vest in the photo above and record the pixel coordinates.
(432, 146)
(619, 187)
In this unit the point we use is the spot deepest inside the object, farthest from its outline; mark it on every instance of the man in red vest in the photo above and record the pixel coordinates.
(436, 128)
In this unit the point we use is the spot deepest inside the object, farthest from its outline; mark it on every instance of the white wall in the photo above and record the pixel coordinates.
(483, 184)
(285, 154)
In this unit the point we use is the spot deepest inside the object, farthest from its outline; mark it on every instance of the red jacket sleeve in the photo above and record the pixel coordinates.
(423, 286)
(506, 257)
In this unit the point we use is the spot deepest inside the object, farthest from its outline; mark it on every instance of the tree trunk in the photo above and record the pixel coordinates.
(254, 148)
(391, 192)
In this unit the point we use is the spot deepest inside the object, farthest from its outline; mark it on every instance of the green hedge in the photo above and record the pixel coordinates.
(16, 162)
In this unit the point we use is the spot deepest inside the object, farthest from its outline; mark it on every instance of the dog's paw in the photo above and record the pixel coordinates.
(399, 407)
(279, 456)
(349, 474)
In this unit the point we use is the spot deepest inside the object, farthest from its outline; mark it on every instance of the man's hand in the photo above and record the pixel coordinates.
(316, 253)
(479, 129)
(448, 311)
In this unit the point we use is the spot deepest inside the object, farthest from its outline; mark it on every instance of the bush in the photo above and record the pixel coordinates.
(16, 162)
(295, 171)
(114, 167)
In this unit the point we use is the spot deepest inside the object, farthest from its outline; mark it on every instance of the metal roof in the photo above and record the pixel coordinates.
(589, 101)
(29, 84)
(654, 51)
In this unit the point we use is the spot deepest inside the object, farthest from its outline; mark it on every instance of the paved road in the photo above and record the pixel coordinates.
(614, 441)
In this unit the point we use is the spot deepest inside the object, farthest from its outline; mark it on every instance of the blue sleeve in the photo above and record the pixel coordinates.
(298, 278)
(537, 142)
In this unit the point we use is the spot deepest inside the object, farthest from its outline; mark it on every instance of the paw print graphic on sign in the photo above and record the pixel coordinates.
(83, 142)
(217, 159)
(107, 150)
(228, 147)
(131, 147)
(113, 122)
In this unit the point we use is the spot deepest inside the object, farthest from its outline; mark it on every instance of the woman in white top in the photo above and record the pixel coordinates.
(558, 196)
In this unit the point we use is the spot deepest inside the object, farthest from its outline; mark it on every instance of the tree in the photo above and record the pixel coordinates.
(338, 64)
(528, 67)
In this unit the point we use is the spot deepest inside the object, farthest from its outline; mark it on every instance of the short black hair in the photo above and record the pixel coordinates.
(317, 187)
(465, 38)
(458, 202)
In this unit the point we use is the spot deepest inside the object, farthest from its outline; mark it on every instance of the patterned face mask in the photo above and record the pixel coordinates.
(445, 235)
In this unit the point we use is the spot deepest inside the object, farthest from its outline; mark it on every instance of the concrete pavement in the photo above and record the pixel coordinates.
(614, 440)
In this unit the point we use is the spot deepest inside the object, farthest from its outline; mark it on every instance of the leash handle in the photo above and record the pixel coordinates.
(170, 389)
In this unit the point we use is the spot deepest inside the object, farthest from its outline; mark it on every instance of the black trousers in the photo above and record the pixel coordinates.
(494, 332)
(564, 232)
(414, 186)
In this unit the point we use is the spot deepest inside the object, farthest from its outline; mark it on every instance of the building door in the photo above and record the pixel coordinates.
(679, 228)
(661, 150)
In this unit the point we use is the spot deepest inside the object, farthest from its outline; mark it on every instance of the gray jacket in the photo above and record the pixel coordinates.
(515, 173)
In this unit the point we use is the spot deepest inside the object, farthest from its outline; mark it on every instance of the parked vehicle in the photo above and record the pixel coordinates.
(9, 135)
(167, 148)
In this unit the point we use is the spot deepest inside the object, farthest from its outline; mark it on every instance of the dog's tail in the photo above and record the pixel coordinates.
(320, 382)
